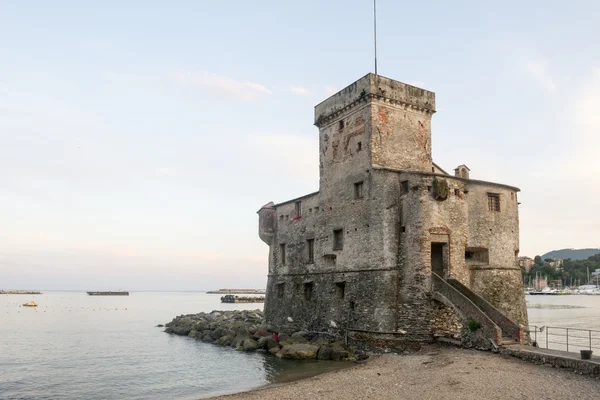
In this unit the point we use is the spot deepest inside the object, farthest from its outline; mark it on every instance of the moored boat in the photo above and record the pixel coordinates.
(30, 304)
(109, 293)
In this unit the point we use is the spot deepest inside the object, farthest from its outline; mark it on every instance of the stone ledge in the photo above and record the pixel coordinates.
(555, 358)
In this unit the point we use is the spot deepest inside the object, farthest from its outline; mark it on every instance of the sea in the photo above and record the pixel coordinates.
(76, 346)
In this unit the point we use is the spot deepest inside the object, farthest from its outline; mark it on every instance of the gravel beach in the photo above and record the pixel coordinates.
(437, 373)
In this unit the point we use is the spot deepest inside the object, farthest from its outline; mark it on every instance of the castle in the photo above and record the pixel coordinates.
(391, 243)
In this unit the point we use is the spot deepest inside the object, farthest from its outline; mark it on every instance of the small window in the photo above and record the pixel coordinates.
(358, 190)
(477, 256)
(308, 290)
(404, 187)
(457, 192)
(310, 247)
(282, 253)
(359, 146)
(298, 209)
(280, 290)
(493, 202)
(341, 124)
(340, 290)
(338, 239)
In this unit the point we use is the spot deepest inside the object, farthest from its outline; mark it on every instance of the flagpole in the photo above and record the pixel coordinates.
(375, 31)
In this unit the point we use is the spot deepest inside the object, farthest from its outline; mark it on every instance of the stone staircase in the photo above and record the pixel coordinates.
(495, 326)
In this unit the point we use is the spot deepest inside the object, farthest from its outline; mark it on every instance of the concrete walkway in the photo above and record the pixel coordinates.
(555, 358)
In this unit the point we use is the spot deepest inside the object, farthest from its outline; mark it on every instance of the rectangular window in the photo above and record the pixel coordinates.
(493, 202)
(280, 290)
(310, 248)
(340, 290)
(308, 290)
(359, 146)
(457, 192)
(338, 239)
(404, 187)
(358, 190)
(298, 209)
(477, 256)
(282, 253)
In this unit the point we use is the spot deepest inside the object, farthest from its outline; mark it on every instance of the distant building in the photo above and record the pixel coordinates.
(526, 262)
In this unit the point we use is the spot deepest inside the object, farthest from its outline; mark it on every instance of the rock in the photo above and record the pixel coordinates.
(319, 341)
(271, 343)
(262, 342)
(225, 340)
(338, 353)
(217, 333)
(324, 353)
(298, 351)
(159, 325)
(274, 350)
(250, 345)
(207, 338)
(192, 333)
(182, 330)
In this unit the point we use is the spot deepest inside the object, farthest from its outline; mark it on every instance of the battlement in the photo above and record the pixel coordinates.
(373, 86)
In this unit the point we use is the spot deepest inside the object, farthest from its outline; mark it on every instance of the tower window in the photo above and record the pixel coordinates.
(280, 290)
(338, 239)
(298, 208)
(457, 192)
(308, 290)
(493, 202)
(340, 290)
(341, 124)
(282, 253)
(404, 187)
(359, 146)
(358, 190)
(310, 246)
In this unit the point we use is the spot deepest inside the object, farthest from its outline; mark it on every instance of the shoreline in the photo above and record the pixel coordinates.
(434, 372)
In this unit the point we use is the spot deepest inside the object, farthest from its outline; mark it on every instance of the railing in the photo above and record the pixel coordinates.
(562, 338)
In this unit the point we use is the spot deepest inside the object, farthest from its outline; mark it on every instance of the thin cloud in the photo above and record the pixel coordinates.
(540, 72)
(299, 90)
(241, 90)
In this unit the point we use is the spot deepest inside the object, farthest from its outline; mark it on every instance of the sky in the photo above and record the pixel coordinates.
(139, 138)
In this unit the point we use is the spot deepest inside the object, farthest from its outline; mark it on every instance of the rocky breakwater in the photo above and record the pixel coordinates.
(246, 331)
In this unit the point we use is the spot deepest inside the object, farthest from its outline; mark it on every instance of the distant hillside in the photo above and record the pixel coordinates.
(573, 254)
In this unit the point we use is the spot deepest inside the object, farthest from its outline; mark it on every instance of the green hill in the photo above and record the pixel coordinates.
(573, 254)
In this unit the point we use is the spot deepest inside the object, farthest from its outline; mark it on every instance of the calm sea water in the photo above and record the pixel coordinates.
(543, 312)
(75, 346)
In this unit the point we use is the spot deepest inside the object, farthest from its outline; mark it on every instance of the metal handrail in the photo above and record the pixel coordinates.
(573, 337)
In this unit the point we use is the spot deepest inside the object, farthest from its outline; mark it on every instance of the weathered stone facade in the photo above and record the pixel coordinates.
(360, 252)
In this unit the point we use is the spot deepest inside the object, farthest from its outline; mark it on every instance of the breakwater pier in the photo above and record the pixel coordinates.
(230, 298)
(246, 331)
(20, 292)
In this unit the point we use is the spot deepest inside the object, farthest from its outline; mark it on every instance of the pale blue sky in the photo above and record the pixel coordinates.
(138, 138)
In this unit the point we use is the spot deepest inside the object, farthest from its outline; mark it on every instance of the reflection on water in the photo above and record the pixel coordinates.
(89, 347)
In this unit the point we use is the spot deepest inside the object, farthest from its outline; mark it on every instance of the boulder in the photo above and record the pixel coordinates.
(250, 345)
(274, 350)
(182, 330)
(338, 353)
(225, 340)
(262, 342)
(298, 351)
(207, 338)
(192, 333)
(159, 325)
(324, 353)
(271, 343)
(217, 333)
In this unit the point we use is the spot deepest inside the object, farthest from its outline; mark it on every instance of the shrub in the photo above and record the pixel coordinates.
(474, 325)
